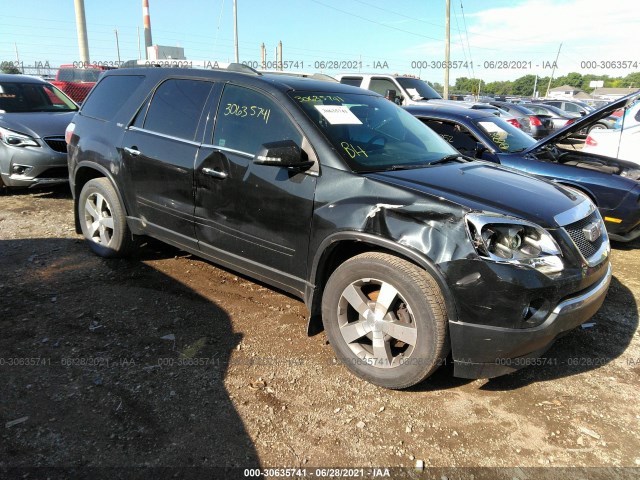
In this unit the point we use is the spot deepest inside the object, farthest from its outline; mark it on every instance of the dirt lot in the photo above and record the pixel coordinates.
(165, 360)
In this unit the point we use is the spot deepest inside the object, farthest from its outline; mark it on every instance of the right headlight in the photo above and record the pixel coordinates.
(16, 139)
(511, 240)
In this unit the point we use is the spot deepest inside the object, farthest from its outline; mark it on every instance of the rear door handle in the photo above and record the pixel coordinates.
(132, 151)
(214, 173)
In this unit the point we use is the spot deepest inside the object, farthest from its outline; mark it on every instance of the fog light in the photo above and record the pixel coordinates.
(20, 169)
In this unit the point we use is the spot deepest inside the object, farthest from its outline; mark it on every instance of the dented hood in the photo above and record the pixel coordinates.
(486, 187)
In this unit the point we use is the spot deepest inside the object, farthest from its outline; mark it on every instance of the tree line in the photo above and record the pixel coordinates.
(524, 85)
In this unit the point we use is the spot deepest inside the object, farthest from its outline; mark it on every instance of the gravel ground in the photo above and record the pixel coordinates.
(164, 360)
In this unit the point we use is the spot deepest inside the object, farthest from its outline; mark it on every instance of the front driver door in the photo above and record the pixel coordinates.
(255, 218)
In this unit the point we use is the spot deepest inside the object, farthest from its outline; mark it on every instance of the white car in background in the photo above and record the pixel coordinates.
(623, 144)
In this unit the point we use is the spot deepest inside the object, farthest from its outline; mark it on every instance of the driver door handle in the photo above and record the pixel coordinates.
(214, 173)
(132, 151)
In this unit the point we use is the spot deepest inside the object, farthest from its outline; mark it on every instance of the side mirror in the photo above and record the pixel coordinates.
(284, 153)
(391, 95)
(479, 150)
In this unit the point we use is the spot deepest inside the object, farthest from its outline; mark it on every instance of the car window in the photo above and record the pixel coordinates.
(176, 107)
(381, 85)
(18, 97)
(353, 81)
(457, 135)
(247, 119)
(106, 98)
(570, 107)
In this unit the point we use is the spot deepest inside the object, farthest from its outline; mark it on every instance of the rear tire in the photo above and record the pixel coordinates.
(386, 320)
(597, 126)
(103, 220)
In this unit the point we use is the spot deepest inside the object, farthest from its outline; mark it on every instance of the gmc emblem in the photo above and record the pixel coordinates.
(592, 231)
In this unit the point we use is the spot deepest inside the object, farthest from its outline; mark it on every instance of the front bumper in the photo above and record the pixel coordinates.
(485, 351)
(42, 166)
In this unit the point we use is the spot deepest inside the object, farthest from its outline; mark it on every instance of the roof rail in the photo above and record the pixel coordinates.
(316, 76)
(241, 68)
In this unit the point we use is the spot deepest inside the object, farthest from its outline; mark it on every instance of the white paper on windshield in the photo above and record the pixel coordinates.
(413, 93)
(338, 115)
(494, 129)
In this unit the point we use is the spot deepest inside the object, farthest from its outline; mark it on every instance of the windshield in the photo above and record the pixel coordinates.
(372, 133)
(418, 89)
(505, 136)
(18, 97)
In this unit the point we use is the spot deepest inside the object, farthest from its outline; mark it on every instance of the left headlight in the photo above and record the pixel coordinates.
(512, 240)
(16, 139)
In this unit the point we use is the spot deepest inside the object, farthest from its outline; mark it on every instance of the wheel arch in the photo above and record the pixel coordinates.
(85, 172)
(339, 247)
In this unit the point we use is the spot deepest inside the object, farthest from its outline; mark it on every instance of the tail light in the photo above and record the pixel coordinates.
(535, 121)
(69, 132)
(590, 141)
(570, 121)
(514, 122)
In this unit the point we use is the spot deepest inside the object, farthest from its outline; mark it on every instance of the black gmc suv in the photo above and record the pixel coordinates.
(400, 247)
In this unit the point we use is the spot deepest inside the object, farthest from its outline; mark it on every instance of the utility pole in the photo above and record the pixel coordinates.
(447, 52)
(235, 29)
(81, 26)
(139, 51)
(553, 71)
(117, 45)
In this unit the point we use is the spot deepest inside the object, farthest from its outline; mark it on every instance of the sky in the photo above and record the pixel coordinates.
(492, 40)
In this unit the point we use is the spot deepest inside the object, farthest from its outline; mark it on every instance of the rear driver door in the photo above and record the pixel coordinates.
(159, 151)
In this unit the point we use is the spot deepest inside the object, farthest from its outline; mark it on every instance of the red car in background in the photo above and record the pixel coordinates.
(76, 81)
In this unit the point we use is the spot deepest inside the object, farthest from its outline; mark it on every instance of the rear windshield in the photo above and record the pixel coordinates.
(20, 97)
(371, 133)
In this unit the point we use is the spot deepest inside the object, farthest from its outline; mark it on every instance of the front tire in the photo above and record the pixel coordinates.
(386, 320)
(103, 220)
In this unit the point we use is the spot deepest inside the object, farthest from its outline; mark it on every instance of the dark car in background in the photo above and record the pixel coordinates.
(535, 124)
(613, 185)
(402, 249)
(33, 117)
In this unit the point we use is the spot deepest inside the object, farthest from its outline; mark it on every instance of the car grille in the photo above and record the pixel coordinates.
(587, 248)
(56, 143)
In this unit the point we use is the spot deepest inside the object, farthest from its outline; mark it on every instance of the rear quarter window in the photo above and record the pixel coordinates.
(109, 95)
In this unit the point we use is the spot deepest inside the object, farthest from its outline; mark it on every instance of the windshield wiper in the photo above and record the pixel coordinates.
(449, 158)
(405, 167)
